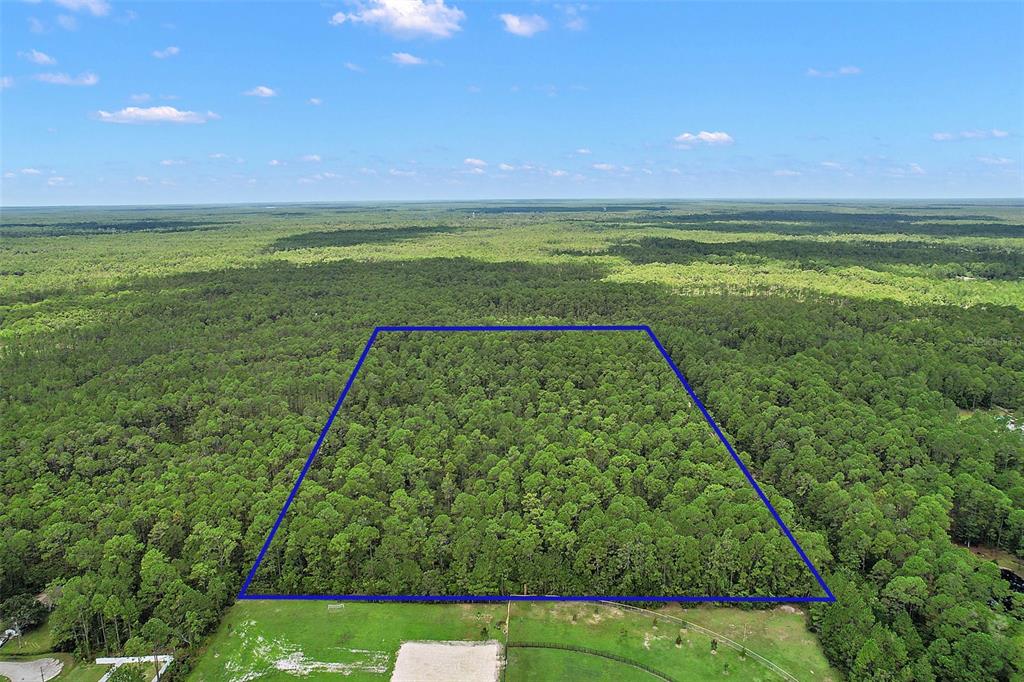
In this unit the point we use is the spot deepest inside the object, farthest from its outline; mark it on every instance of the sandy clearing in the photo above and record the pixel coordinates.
(448, 662)
(31, 671)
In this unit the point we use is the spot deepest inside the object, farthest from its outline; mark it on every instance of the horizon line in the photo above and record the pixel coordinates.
(584, 200)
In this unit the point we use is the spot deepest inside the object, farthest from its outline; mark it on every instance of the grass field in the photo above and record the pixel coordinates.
(553, 664)
(361, 640)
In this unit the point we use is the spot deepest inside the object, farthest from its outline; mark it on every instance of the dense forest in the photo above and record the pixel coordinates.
(161, 390)
(556, 463)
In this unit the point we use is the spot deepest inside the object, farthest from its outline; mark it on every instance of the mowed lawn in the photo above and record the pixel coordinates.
(284, 640)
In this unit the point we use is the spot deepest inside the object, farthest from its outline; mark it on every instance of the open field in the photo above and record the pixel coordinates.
(362, 639)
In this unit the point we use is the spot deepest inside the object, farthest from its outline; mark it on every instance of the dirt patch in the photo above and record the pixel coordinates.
(448, 662)
(297, 664)
(604, 613)
(650, 637)
(31, 671)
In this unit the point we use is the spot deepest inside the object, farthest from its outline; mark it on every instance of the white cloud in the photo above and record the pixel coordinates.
(31, 171)
(142, 179)
(64, 79)
(6, 82)
(477, 163)
(351, 66)
(97, 8)
(10, 174)
(559, 173)
(832, 73)
(172, 162)
(275, 162)
(832, 165)
(476, 171)
(995, 160)
(140, 97)
(36, 26)
(583, 151)
(904, 170)
(66, 22)
(312, 158)
(406, 59)
(506, 167)
(37, 57)
(786, 173)
(689, 140)
(970, 135)
(217, 155)
(261, 91)
(315, 101)
(401, 173)
(524, 25)
(604, 167)
(163, 114)
(405, 18)
(317, 177)
(574, 20)
(171, 51)
(56, 181)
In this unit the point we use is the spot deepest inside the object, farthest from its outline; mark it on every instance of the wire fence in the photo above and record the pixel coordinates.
(711, 633)
(592, 652)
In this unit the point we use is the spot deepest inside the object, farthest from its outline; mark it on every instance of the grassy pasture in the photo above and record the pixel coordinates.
(255, 635)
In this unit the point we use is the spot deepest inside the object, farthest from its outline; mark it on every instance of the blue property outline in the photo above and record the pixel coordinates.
(244, 593)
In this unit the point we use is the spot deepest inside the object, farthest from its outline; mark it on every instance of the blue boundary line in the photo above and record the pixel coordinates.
(244, 592)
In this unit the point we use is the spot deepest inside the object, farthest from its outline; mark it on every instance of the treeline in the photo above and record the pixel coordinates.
(822, 222)
(146, 454)
(942, 259)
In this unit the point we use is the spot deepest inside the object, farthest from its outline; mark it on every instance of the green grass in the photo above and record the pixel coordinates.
(553, 664)
(256, 634)
(37, 641)
(778, 635)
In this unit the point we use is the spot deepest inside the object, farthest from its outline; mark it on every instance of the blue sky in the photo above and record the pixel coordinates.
(182, 102)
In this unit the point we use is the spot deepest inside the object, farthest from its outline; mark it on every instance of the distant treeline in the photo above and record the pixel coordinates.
(949, 259)
(829, 222)
(56, 229)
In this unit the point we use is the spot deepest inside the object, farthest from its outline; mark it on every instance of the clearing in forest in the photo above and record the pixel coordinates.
(527, 463)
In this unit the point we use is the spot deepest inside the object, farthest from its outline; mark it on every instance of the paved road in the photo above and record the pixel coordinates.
(39, 670)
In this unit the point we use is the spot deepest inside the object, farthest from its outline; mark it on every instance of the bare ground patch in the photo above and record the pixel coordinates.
(448, 662)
